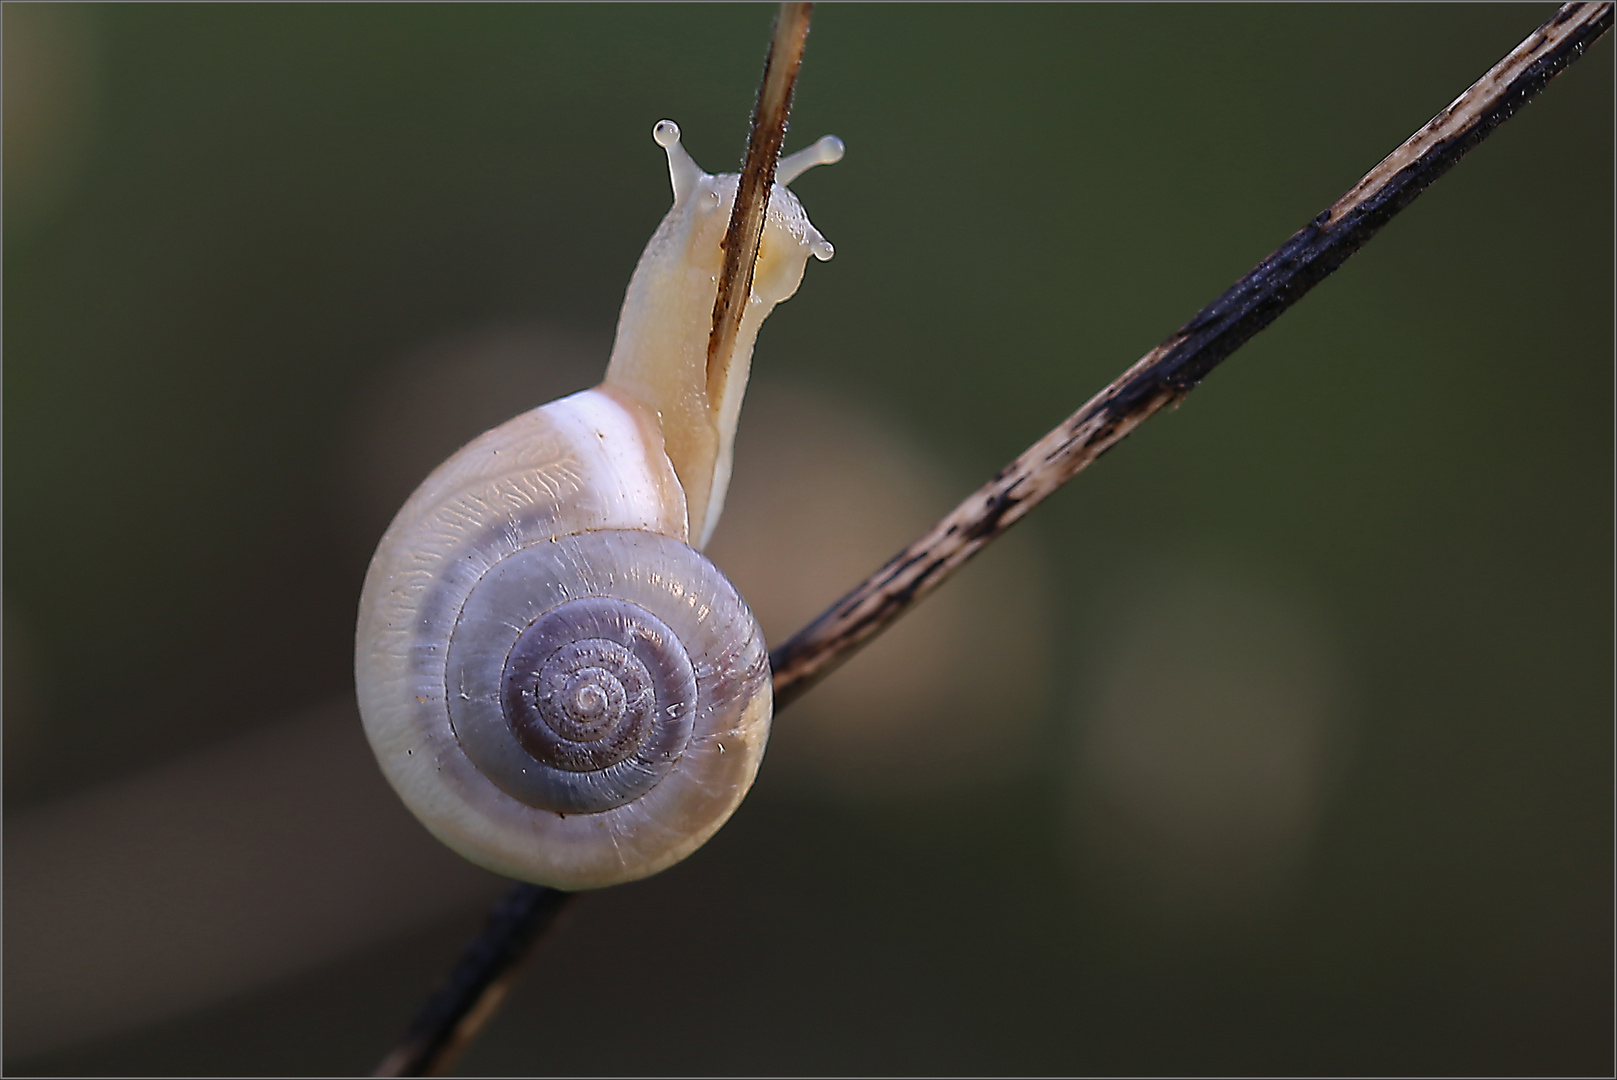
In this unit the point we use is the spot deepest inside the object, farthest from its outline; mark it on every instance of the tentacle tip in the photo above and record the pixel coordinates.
(666, 133)
(827, 150)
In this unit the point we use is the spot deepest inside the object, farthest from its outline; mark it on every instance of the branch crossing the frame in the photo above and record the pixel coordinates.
(1170, 371)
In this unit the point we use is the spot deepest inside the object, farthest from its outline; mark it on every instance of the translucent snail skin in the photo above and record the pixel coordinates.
(552, 677)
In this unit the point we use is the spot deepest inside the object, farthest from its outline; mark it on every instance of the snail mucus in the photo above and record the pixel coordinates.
(552, 676)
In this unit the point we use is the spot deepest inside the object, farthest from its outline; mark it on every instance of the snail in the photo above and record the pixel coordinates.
(553, 678)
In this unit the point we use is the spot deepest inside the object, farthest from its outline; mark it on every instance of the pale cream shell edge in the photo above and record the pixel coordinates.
(586, 442)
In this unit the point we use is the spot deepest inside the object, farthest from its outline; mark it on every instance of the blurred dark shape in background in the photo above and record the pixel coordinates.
(228, 869)
(945, 703)
(51, 86)
(1211, 731)
(1280, 743)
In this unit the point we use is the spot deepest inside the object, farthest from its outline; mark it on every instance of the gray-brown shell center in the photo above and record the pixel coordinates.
(578, 706)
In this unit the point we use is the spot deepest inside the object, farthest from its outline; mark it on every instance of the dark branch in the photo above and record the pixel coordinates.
(1170, 371)
(458, 1010)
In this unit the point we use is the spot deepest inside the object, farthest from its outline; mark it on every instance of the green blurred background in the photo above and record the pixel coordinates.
(1364, 824)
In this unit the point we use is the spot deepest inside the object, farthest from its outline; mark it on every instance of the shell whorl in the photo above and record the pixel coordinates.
(557, 685)
(582, 705)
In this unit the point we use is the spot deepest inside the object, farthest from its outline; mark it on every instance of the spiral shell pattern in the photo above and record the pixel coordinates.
(556, 684)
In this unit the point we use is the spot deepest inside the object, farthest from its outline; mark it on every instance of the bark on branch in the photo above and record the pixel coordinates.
(747, 216)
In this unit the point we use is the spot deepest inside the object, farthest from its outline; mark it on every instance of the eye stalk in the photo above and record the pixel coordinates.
(828, 150)
(683, 171)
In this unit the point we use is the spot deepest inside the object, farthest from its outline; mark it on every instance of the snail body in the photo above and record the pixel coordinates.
(551, 675)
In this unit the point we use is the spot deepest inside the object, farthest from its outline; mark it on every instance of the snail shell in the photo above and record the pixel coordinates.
(554, 681)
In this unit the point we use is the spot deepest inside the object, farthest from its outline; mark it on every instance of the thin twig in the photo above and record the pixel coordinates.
(746, 229)
(1161, 378)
